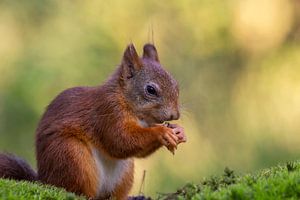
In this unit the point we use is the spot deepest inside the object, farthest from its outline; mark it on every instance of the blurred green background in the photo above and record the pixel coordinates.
(237, 61)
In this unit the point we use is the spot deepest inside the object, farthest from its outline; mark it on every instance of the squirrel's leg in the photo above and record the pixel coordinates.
(123, 188)
(67, 162)
(131, 140)
(149, 149)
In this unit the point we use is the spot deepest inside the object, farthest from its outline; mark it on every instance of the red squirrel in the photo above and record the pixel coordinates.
(88, 136)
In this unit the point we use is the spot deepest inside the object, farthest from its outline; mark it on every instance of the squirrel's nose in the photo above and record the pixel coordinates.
(174, 115)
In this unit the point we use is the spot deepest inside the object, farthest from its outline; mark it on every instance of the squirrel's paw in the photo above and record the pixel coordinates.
(178, 131)
(168, 139)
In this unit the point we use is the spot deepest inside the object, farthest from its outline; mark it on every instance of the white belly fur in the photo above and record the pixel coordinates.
(110, 172)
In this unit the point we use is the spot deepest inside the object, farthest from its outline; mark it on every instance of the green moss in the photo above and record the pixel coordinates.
(280, 182)
(22, 190)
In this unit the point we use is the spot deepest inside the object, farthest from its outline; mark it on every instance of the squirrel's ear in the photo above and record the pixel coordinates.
(150, 52)
(131, 62)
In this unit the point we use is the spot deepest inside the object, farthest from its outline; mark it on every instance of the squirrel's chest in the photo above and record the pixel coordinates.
(110, 172)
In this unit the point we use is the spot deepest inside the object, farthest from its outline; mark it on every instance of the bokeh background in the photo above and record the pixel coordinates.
(237, 61)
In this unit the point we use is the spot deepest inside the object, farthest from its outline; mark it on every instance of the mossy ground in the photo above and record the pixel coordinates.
(280, 182)
(22, 190)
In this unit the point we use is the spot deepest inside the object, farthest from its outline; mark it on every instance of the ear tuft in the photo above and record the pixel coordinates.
(150, 52)
(131, 62)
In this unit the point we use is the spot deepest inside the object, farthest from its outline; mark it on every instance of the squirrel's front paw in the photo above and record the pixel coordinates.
(168, 138)
(178, 131)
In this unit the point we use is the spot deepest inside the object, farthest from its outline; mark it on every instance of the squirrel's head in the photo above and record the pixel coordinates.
(150, 91)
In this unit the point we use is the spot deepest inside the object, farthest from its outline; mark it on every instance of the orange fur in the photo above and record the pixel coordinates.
(67, 162)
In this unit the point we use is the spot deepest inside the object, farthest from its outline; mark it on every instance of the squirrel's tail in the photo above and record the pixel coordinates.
(12, 167)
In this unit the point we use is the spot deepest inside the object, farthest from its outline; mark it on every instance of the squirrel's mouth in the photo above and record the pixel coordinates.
(158, 121)
(149, 124)
(150, 121)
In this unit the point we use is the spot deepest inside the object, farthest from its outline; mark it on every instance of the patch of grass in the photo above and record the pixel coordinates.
(23, 190)
(280, 182)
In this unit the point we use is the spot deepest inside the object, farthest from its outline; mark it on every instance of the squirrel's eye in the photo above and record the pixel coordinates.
(151, 90)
